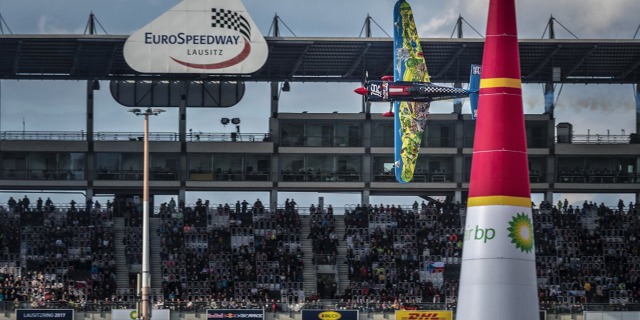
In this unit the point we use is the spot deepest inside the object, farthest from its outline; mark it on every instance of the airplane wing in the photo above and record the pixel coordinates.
(410, 117)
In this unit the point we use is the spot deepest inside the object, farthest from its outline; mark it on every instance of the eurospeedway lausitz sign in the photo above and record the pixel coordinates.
(199, 36)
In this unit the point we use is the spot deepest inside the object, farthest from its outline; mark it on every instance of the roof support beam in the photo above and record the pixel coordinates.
(581, 61)
(629, 69)
(357, 61)
(76, 58)
(16, 60)
(299, 62)
(112, 57)
(449, 63)
(543, 62)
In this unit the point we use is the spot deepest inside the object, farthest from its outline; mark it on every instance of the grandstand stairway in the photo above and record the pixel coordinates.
(341, 258)
(306, 245)
(155, 261)
(590, 219)
(451, 275)
(122, 268)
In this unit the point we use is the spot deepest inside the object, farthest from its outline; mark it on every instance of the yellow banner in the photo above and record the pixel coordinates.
(424, 315)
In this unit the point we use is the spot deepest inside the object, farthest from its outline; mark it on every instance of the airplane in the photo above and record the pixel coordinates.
(410, 91)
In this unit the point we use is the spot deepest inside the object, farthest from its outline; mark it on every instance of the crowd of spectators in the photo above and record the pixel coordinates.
(244, 255)
(52, 254)
(323, 231)
(588, 254)
(395, 254)
(234, 254)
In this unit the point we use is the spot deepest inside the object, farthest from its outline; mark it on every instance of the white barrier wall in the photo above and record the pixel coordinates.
(611, 315)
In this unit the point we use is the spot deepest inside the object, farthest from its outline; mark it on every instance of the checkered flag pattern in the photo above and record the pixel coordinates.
(232, 20)
(447, 90)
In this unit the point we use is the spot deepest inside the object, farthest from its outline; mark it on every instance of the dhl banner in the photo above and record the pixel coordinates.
(424, 315)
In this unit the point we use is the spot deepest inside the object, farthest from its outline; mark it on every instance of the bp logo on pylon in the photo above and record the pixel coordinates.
(521, 232)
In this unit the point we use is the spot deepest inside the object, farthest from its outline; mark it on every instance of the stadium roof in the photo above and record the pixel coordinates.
(78, 57)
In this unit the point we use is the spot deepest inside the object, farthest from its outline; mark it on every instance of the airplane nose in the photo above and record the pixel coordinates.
(361, 91)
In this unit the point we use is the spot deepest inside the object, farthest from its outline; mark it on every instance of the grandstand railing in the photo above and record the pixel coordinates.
(133, 136)
(201, 306)
(239, 137)
(44, 135)
(599, 139)
(174, 136)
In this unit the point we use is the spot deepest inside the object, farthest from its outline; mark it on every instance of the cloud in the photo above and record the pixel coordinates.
(50, 25)
(587, 19)
(439, 26)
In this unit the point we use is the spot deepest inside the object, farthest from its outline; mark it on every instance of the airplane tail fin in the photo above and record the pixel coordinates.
(474, 88)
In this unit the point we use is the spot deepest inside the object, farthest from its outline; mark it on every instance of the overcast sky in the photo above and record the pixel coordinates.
(60, 105)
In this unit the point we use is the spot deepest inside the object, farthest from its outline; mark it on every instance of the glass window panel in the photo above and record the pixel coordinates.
(257, 167)
(382, 135)
(257, 162)
(536, 135)
(108, 161)
(292, 167)
(323, 163)
(292, 135)
(166, 162)
(42, 165)
(436, 168)
(14, 165)
(469, 133)
(349, 167)
(439, 135)
(313, 135)
(71, 166)
(383, 169)
(108, 166)
(228, 162)
(200, 163)
(537, 169)
(349, 163)
(348, 134)
(467, 168)
(132, 162)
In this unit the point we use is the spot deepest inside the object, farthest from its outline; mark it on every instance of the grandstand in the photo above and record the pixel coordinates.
(387, 257)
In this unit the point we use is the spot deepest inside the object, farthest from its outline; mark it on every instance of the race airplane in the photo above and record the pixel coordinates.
(411, 91)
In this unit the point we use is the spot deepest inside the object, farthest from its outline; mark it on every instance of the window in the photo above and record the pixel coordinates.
(348, 134)
(439, 135)
(292, 167)
(536, 135)
(107, 166)
(292, 135)
(321, 134)
(382, 134)
(383, 169)
(315, 167)
(228, 167)
(469, 133)
(200, 163)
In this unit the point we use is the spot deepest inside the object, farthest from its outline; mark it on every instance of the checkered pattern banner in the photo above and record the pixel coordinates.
(228, 19)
